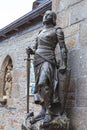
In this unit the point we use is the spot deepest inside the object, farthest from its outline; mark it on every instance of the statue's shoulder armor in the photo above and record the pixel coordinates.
(58, 28)
(59, 31)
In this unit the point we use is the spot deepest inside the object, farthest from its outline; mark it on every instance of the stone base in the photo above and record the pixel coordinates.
(59, 123)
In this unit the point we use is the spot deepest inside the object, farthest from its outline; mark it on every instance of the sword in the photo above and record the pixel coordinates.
(28, 81)
(24, 125)
(28, 78)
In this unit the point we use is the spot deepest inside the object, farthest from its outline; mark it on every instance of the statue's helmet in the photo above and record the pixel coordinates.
(49, 16)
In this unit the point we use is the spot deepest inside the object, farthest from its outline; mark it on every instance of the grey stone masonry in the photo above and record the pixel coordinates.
(72, 17)
(11, 116)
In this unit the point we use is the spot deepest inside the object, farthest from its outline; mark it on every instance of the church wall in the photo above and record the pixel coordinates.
(11, 116)
(72, 17)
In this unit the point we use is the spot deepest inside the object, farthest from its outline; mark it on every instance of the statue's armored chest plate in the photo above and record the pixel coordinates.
(48, 35)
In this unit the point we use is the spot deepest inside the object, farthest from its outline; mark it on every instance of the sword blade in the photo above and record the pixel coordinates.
(28, 80)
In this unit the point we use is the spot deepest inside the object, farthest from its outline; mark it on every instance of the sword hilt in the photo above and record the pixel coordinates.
(28, 59)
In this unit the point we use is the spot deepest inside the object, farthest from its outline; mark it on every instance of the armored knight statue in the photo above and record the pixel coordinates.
(47, 69)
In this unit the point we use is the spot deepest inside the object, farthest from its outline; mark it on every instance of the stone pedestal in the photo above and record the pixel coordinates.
(59, 123)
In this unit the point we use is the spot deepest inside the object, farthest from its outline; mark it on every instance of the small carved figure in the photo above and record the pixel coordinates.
(47, 69)
(8, 81)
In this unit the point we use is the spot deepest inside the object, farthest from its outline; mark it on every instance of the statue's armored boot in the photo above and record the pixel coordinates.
(48, 117)
(40, 116)
(52, 111)
(48, 104)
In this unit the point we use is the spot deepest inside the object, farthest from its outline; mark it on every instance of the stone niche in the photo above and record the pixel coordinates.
(3, 72)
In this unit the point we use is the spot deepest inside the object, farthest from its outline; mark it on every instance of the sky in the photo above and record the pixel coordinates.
(10, 10)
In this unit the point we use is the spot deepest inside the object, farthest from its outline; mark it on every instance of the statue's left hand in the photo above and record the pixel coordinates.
(62, 69)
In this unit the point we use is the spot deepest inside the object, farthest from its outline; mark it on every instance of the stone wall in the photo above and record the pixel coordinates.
(11, 116)
(72, 17)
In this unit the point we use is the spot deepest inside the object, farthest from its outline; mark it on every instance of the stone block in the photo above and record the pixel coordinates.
(83, 62)
(83, 32)
(70, 103)
(71, 86)
(81, 95)
(73, 63)
(63, 19)
(78, 12)
(70, 42)
(71, 30)
(73, 2)
(17, 74)
(77, 61)
(16, 90)
(71, 96)
(54, 5)
(78, 118)
(59, 5)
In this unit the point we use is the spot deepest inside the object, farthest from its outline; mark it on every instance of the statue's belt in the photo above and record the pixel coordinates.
(55, 64)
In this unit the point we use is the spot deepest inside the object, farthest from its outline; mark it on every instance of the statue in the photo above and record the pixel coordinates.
(47, 70)
(8, 81)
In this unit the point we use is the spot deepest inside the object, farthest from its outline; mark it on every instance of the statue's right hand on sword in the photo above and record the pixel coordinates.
(30, 51)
